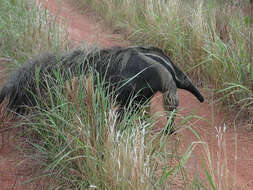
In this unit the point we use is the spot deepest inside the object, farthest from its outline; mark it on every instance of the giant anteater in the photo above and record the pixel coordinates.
(133, 71)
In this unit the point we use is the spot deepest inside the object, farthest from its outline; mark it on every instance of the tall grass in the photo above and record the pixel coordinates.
(82, 144)
(211, 40)
(27, 29)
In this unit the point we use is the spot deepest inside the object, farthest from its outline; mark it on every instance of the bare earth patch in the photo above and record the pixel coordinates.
(235, 147)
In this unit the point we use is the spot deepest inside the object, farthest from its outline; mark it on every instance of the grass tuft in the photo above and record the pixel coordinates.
(27, 29)
(82, 142)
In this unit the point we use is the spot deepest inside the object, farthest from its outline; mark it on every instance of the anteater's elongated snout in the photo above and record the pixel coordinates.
(191, 88)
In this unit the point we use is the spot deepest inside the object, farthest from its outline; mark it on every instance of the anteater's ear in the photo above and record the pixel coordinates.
(181, 79)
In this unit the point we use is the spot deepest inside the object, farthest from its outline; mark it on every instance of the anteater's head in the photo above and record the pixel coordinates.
(181, 79)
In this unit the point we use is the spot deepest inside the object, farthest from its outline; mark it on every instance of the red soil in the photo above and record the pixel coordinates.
(237, 146)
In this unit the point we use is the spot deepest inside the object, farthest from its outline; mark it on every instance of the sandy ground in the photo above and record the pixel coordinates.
(237, 146)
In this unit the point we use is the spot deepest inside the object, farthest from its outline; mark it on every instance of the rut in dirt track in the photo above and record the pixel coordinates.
(239, 146)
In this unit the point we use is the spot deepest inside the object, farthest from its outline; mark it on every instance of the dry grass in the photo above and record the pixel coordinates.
(26, 30)
(210, 40)
(84, 144)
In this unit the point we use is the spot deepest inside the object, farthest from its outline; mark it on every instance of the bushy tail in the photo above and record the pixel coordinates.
(22, 84)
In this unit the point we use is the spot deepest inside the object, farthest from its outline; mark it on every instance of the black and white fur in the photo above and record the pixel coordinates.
(134, 72)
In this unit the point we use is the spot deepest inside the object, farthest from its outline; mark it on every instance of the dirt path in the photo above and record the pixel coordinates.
(82, 28)
(15, 169)
(240, 162)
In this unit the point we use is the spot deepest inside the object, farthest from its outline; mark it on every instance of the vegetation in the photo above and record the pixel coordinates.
(27, 30)
(212, 40)
(84, 145)
(75, 134)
